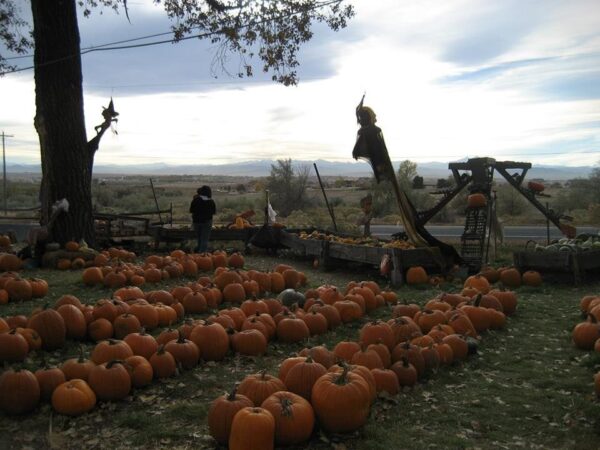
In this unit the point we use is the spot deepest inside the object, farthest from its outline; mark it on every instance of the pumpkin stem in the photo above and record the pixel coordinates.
(343, 378)
(181, 339)
(81, 354)
(263, 374)
(405, 362)
(477, 300)
(286, 407)
(233, 392)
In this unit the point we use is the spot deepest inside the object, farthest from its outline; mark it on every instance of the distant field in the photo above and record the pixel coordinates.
(233, 195)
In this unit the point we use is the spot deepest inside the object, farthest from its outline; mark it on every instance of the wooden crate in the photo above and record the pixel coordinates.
(356, 253)
(306, 247)
(228, 234)
(174, 234)
(332, 254)
(560, 266)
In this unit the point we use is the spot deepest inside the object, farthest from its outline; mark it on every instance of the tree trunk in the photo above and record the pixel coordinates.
(67, 159)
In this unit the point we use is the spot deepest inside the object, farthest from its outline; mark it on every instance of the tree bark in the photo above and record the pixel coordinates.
(67, 159)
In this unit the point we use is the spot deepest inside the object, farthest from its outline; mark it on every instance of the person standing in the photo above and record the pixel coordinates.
(203, 209)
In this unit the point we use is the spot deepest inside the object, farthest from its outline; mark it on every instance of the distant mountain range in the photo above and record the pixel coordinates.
(261, 168)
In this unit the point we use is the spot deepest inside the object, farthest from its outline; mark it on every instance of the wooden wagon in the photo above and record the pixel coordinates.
(576, 267)
(330, 254)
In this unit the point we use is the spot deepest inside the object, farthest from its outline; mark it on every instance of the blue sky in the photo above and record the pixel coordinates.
(515, 80)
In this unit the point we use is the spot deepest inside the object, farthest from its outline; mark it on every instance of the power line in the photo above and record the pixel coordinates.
(105, 47)
(92, 47)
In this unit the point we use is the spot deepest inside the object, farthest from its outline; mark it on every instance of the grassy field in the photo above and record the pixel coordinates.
(527, 387)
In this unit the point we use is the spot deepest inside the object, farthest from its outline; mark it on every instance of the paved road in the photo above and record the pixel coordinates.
(516, 232)
(385, 231)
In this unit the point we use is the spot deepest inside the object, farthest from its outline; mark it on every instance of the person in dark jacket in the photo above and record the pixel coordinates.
(203, 209)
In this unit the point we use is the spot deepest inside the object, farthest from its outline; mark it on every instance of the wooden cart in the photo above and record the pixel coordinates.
(331, 254)
(576, 267)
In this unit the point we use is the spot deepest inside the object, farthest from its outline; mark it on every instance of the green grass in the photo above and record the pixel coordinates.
(527, 387)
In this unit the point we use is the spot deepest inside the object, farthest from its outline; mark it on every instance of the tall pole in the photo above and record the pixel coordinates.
(547, 227)
(329, 208)
(4, 193)
(156, 201)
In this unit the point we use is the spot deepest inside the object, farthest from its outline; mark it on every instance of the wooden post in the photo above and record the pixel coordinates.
(267, 207)
(397, 275)
(547, 227)
(329, 208)
(156, 201)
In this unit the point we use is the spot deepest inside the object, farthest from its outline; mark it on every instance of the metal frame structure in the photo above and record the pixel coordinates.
(479, 174)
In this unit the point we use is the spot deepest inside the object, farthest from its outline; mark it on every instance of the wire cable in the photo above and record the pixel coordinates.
(105, 47)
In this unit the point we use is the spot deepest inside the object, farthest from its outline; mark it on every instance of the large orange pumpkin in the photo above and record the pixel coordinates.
(341, 401)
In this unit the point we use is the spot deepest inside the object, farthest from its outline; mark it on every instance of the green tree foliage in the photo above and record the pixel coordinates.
(579, 193)
(406, 173)
(444, 183)
(384, 200)
(418, 182)
(509, 201)
(287, 186)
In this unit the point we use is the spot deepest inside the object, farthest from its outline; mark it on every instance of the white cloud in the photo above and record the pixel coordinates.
(400, 60)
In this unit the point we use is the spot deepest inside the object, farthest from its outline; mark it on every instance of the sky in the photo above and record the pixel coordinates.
(514, 80)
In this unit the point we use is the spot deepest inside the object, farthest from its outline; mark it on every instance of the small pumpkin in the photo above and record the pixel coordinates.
(49, 378)
(252, 428)
(163, 363)
(109, 350)
(221, 413)
(294, 417)
(416, 275)
(110, 381)
(13, 347)
(532, 278)
(290, 296)
(302, 376)
(212, 341)
(77, 368)
(405, 372)
(476, 200)
(140, 371)
(19, 391)
(185, 352)
(257, 387)
(51, 327)
(73, 398)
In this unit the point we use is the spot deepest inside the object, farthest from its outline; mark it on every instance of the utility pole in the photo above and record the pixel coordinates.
(4, 172)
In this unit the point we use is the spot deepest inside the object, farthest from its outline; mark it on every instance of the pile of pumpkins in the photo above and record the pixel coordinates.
(240, 223)
(118, 324)
(77, 256)
(586, 334)
(311, 388)
(17, 289)
(507, 277)
(114, 273)
(365, 241)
